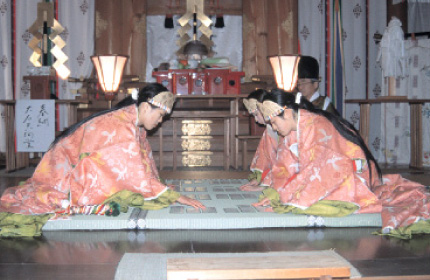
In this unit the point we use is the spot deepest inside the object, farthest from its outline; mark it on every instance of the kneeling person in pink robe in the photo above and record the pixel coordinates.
(322, 160)
(318, 159)
(98, 157)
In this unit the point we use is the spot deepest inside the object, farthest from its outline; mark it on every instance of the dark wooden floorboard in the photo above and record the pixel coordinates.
(393, 266)
(36, 271)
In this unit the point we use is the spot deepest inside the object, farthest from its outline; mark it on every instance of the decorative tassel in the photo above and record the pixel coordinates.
(219, 23)
(168, 21)
(111, 209)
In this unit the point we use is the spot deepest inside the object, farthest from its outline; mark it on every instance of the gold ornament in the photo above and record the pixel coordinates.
(194, 159)
(196, 128)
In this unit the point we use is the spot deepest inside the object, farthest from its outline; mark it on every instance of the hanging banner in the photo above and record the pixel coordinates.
(77, 18)
(35, 124)
(376, 26)
(312, 35)
(351, 34)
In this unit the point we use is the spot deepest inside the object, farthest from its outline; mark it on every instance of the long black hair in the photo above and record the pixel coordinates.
(257, 95)
(345, 128)
(146, 93)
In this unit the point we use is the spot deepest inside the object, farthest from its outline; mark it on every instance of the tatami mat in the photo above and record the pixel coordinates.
(227, 207)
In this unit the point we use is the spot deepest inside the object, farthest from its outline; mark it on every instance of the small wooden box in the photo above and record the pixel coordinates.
(40, 87)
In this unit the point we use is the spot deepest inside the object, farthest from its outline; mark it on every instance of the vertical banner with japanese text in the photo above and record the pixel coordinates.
(35, 124)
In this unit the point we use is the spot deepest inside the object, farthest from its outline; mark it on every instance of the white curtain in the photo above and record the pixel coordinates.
(419, 53)
(395, 133)
(231, 33)
(26, 14)
(354, 43)
(312, 34)
(161, 42)
(77, 18)
(6, 88)
(377, 23)
(418, 16)
(396, 117)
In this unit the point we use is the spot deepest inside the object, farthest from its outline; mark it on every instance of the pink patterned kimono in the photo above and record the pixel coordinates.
(102, 157)
(265, 155)
(316, 163)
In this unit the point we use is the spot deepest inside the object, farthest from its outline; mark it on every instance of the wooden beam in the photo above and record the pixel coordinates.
(178, 7)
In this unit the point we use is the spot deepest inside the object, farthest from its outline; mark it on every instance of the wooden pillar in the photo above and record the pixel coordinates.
(108, 23)
(244, 155)
(416, 135)
(269, 28)
(121, 29)
(282, 25)
(365, 121)
(226, 156)
(254, 36)
(175, 152)
(234, 130)
(136, 42)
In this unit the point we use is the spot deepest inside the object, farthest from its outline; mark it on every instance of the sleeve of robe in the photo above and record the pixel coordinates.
(264, 156)
(326, 164)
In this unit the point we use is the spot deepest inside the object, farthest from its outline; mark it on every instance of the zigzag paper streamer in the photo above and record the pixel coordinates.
(194, 6)
(45, 12)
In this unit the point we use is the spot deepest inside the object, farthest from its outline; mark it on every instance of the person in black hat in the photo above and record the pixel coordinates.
(308, 84)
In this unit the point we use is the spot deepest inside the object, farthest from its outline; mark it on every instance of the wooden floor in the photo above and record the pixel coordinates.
(95, 254)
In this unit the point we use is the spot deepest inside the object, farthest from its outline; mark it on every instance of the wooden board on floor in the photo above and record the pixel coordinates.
(256, 267)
